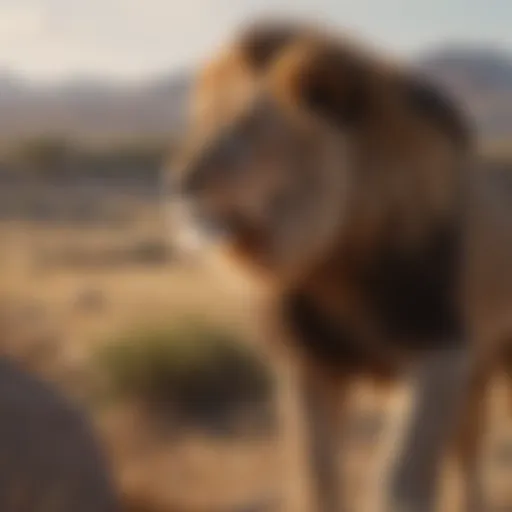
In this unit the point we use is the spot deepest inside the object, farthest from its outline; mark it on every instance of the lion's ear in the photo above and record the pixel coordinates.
(335, 86)
(261, 42)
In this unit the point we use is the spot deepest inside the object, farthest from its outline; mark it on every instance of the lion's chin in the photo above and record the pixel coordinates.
(193, 240)
(191, 233)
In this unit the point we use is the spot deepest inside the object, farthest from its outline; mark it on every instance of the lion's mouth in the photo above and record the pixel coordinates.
(232, 224)
(193, 230)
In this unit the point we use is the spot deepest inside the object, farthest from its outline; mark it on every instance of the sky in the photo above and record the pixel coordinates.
(53, 40)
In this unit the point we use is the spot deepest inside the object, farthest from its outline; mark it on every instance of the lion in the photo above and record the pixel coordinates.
(347, 186)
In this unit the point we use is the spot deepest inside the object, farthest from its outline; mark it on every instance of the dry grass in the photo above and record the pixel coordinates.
(57, 317)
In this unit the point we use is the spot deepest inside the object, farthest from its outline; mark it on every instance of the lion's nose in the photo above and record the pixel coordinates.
(194, 181)
(199, 172)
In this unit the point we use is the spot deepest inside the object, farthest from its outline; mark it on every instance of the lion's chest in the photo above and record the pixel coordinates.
(409, 299)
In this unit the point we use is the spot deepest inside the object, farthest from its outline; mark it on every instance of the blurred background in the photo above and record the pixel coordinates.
(157, 356)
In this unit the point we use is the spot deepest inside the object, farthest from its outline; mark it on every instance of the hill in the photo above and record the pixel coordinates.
(94, 111)
(481, 77)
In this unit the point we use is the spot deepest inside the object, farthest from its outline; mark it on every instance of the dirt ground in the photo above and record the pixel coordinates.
(57, 312)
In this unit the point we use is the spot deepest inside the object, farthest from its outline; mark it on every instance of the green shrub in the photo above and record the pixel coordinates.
(190, 368)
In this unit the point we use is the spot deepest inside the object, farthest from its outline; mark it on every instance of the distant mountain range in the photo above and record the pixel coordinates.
(481, 79)
(92, 110)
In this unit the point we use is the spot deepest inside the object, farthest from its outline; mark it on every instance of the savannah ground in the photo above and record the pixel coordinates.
(69, 288)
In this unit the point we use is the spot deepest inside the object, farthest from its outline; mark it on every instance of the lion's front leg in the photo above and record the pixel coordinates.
(439, 384)
(311, 410)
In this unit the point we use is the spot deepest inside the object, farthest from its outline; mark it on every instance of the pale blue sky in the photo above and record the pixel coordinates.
(56, 39)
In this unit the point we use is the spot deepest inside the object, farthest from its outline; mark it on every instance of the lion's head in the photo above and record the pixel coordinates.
(298, 140)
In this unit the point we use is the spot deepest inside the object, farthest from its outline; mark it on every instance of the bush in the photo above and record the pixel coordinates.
(53, 157)
(191, 369)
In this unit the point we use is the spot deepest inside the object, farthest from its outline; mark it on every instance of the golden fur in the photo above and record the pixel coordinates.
(347, 184)
(421, 178)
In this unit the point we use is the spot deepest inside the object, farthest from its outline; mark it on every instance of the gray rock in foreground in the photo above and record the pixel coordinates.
(50, 460)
